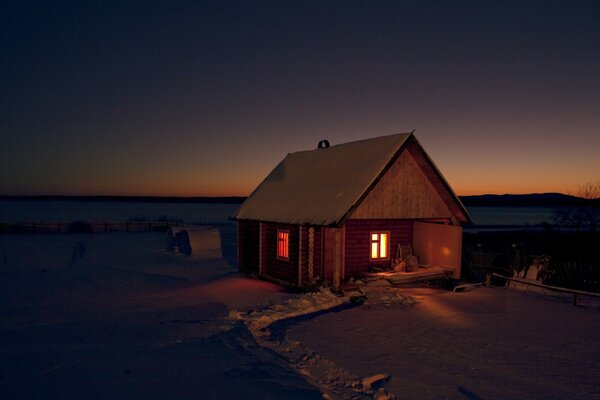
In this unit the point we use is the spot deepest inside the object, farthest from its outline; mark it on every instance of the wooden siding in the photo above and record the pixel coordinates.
(311, 255)
(404, 191)
(440, 245)
(273, 267)
(303, 256)
(358, 242)
(248, 246)
(317, 253)
(438, 183)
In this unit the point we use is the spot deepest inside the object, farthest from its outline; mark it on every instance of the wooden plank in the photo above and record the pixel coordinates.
(328, 253)
(438, 244)
(337, 257)
(549, 287)
(300, 249)
(311, 252)
(261, 261)
(403, 192)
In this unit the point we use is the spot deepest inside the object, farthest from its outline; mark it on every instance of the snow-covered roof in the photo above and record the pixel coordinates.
(320, 186)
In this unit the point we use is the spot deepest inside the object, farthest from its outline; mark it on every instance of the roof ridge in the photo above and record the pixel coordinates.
(354, 142)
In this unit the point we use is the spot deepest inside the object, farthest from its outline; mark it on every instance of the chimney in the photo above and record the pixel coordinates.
(323, 144)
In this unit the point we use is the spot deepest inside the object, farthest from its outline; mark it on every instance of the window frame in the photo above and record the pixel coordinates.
(378, 241)
(286, 240)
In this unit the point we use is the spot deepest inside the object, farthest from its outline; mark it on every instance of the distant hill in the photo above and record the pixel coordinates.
(522, 200)
(136, 199)
(484, 200)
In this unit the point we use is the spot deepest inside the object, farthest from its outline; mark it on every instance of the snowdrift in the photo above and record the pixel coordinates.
(200, 242)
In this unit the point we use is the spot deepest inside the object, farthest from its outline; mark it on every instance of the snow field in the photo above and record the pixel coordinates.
(117, 316)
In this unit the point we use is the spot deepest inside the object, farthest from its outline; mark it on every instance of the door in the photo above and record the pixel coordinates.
(333, 255)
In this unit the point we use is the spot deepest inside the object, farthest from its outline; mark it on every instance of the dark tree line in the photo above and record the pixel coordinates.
(584, 215)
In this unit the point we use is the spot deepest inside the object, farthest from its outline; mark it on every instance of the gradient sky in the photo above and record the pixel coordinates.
(193, 98)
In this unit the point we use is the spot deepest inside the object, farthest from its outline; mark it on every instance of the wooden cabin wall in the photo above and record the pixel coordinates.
(317, 252)
(303, 255)
(248, 245)
(272, 266)
(358, 242)
(305, 277)
(404, 191)
(439, 245)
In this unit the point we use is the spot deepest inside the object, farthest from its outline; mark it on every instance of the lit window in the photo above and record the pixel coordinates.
(380, 245)
(283, 244)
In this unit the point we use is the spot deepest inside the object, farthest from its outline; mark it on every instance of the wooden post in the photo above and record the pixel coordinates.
(337, 267)
(311, 252)
(574, 292)
(239, 253)
(260, 249)
(300, 249)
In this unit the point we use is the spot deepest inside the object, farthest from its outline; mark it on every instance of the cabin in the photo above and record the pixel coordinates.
(337, 212)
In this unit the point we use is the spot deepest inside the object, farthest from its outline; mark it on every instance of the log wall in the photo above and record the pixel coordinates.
(273, 267)
(358, 241)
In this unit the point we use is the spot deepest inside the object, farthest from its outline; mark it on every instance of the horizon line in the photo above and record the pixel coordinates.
(231, 197)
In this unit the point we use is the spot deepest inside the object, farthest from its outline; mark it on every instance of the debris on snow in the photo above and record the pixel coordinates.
(374, 381)
(383, 394)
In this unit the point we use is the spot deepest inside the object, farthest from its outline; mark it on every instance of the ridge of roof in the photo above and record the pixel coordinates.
(355, 142)
(320, 186)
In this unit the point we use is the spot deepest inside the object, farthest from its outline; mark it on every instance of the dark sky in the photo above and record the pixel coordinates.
(205, 97)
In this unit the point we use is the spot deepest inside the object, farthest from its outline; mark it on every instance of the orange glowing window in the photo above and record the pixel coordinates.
(380, 245)
(283, 244)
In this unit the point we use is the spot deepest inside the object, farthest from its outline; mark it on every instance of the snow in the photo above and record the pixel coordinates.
(128, 319)
(491, 343)
(116, 315)
(320, 186)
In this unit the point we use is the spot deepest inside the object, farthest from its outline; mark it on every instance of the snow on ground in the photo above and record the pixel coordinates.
(114, 315)
(119, 317)
(489, 343)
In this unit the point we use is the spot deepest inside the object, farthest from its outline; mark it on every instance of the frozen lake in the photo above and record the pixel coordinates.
(511, 215)
(100, 211)
(206, 213)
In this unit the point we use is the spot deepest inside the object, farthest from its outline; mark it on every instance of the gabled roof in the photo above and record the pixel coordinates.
(321, 186)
